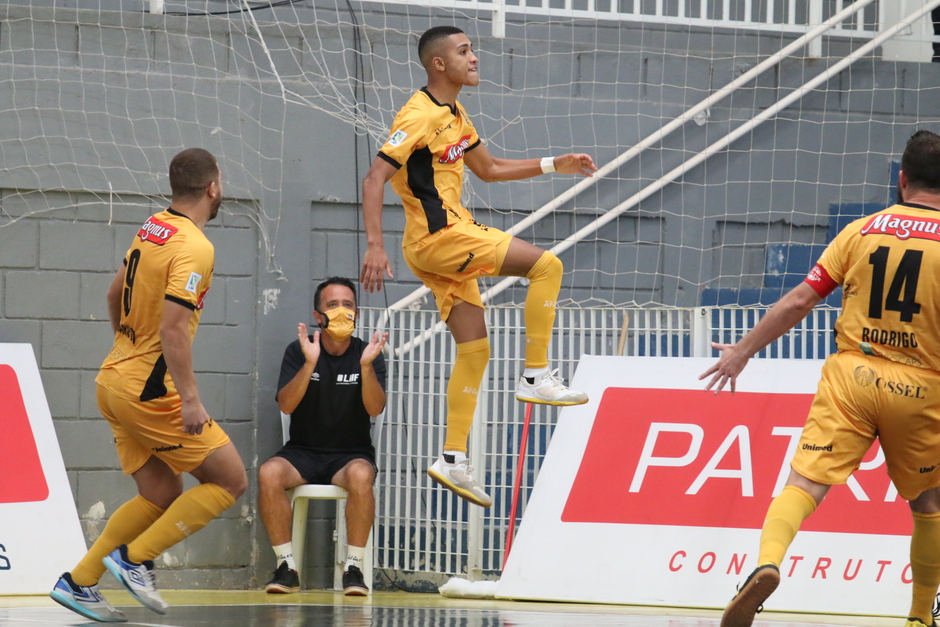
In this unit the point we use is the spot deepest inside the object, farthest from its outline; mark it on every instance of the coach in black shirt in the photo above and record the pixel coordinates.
(332, 384)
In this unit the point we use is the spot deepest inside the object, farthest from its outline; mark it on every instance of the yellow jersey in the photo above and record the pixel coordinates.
(426, 144)
(888, 265)
(170, 259)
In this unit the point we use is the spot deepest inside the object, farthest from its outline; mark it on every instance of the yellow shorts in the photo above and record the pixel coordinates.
(155, 428)
(449, 261)
(860, 398)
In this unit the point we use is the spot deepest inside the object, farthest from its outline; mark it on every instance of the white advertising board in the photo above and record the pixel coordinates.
(40, 535)
(655, 491)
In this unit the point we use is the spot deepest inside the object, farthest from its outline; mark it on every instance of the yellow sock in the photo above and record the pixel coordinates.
(462, 391)
(540, 302)
(925, 565)
(126, 523)
(784, 517)
(189, 513)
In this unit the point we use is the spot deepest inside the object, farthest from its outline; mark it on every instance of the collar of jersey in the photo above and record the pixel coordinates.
(177, 213)
(916, 206)
(453, 109)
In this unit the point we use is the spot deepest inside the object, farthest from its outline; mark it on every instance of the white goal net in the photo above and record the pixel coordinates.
(697, 204)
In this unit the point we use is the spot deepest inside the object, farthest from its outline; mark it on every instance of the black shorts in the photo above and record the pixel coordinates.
(320, 468)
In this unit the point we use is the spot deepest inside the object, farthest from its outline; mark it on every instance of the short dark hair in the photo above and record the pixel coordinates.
(334, 280)
(432, 36)
(921, 161)
(191, 172)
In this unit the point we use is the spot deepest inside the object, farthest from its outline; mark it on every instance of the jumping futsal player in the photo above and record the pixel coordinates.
(448, 250)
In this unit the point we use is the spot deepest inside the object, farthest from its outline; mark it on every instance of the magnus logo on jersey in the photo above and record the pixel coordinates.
(156, 231)
(903, 227)
(695, 451)
(454, 152)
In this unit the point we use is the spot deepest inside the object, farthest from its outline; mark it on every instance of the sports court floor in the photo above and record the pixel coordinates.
(391, 609)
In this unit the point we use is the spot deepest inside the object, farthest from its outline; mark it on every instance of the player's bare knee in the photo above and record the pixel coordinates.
(927, 503)
(237, 484)
(232, 479)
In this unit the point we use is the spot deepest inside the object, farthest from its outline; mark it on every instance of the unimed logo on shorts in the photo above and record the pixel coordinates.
(21, 476)
(693, 458)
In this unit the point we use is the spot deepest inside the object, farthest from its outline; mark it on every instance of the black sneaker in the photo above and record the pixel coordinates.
(759, 585)
(285, 581)
(354, 584)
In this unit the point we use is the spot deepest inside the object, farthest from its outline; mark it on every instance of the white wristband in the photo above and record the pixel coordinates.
(548, 164)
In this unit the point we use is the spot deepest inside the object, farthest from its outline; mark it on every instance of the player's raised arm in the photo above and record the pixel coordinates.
(375, 263)
(490, 169)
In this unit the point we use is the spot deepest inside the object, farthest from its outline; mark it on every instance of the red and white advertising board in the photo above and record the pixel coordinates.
(40, 536)
(655, 491)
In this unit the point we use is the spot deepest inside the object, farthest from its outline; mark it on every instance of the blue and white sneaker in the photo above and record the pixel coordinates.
(85, 600)
(137, 578)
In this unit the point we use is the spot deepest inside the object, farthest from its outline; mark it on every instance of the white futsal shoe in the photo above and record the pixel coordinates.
(458, 478)
(547, 389)
(137, 578)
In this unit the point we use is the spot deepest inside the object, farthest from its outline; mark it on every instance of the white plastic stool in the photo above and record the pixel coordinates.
(300, 497)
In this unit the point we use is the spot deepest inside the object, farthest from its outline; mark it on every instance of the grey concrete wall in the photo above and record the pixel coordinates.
(95, 100)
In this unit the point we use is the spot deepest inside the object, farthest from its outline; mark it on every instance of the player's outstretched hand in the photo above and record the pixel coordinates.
(375, 267)
(310, 349)
(575, 164)
(726, 371)
(373, 349)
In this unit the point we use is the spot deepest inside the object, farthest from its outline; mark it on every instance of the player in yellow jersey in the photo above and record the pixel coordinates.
(147, 391)
(430, 140)
(883, 382)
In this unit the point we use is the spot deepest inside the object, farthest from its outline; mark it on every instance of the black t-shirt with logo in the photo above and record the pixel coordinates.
(331, 417)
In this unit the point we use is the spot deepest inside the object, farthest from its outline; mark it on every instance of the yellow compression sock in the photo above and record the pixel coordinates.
(784, 517)
(540, 302)
(925, 565)
(462, 391)
(189, 513)
(126, 523)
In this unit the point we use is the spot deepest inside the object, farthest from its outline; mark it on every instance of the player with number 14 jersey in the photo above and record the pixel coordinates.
(889, 307)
